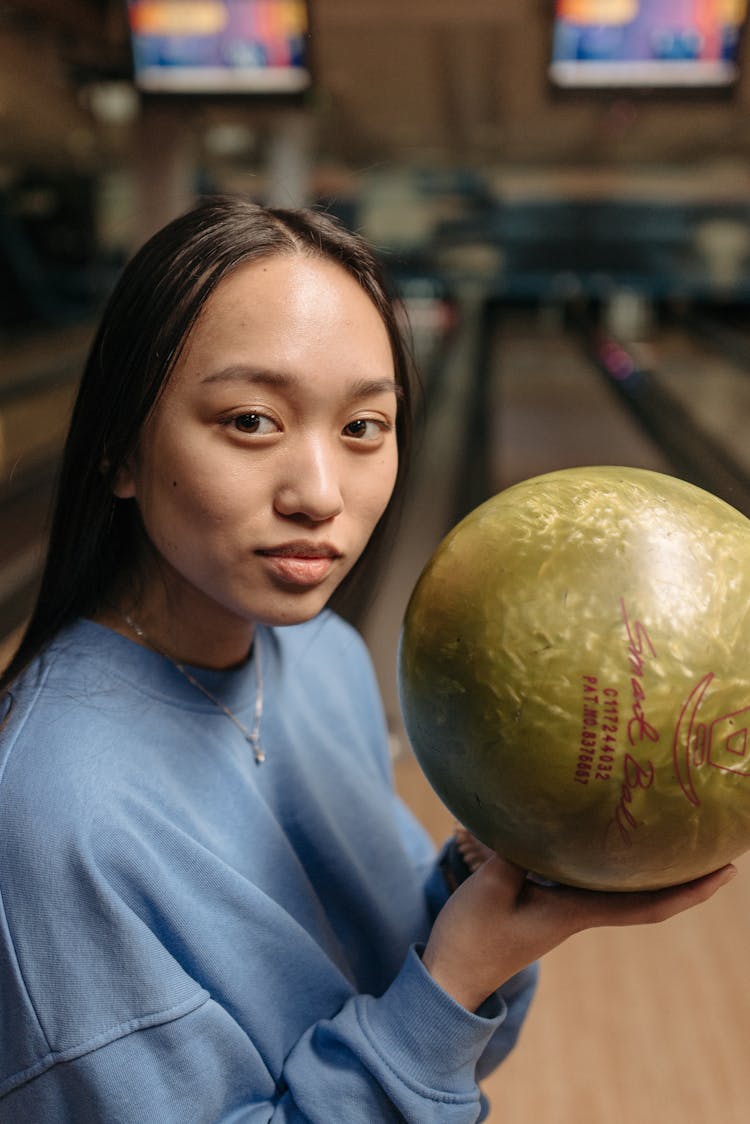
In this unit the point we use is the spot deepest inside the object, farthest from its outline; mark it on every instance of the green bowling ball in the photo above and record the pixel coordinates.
(574, 676)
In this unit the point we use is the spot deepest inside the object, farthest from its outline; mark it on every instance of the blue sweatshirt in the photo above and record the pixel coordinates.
(188, 937)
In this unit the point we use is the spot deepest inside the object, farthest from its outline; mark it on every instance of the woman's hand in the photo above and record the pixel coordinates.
(498, 921)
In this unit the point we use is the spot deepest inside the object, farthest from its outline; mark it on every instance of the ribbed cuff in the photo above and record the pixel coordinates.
(428, 1036)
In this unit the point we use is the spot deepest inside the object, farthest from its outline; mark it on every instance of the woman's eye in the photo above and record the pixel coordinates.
(367, 429)
(254, 423)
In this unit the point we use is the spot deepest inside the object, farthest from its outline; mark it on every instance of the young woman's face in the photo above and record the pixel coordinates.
(271, 455)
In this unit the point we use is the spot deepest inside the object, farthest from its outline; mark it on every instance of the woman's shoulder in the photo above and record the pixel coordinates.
(80, 678)
(61, 725)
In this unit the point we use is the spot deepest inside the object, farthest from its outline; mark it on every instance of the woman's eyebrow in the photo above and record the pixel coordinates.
(368, 388)
(242, 373)
(359, 389)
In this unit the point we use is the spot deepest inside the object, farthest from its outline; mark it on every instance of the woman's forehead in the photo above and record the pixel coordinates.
(288, 303)
(289, 282)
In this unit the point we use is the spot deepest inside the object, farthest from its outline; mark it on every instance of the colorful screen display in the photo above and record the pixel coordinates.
(220, 46)
(650, 43)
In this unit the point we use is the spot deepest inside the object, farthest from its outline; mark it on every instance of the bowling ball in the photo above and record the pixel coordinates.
(574, 675)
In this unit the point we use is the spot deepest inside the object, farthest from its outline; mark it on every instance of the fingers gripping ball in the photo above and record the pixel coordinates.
(574, 673)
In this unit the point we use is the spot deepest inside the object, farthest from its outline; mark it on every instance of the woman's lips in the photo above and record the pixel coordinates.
(300, 564)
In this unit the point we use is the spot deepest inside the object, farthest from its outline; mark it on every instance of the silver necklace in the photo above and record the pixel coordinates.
(252, 737)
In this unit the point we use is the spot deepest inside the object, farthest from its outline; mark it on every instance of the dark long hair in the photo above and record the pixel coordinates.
(94, 537)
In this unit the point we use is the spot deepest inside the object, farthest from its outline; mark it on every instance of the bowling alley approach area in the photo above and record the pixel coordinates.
(560, 194)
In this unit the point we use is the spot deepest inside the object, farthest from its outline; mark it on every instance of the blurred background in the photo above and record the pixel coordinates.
(561, 194)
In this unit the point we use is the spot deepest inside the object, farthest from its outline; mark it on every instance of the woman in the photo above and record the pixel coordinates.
(213, 906)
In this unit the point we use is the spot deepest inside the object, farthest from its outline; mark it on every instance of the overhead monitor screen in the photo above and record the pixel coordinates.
(668, 44)
(220, 46)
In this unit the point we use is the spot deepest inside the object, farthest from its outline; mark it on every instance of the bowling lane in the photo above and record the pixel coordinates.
(550, 407)
(710, 384)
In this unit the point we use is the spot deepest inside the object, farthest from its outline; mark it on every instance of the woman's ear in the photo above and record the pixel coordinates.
(123, 485)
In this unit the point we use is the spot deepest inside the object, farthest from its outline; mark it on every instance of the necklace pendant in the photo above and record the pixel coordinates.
(258, 752)
(251, 737)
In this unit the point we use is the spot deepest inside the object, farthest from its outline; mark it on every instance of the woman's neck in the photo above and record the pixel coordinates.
(219, 641)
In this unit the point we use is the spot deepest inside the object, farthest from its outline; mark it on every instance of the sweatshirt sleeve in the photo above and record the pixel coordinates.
(419, 1044)
(408, 1055)
(516, 995)
(173, 1049)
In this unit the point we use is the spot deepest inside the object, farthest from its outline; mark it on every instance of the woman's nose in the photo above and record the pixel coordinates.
(310, 487)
